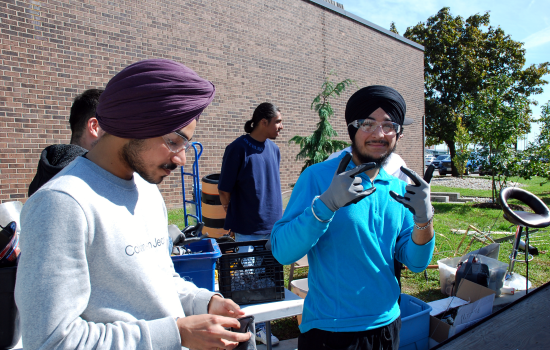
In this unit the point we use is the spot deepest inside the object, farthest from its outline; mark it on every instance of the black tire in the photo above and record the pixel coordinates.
(442, 172)
(466, 172)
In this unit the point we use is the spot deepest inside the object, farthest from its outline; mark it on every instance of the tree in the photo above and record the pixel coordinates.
(460, 57)
(316, 147)
(535, 160)
(462, 140)
(498, 116)
(393, 28)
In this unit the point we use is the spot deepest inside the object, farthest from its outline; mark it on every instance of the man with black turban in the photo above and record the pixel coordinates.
(96, 273)
(352, 220)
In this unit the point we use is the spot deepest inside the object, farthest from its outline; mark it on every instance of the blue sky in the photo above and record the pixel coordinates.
(527, 21)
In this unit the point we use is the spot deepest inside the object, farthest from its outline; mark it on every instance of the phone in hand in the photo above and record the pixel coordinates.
(247, 324)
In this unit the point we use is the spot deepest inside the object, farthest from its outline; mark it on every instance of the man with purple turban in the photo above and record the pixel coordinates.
(95, 273)
(352, 219)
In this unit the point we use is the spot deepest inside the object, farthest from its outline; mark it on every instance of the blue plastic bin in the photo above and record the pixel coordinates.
(199, 268)
(415, 324)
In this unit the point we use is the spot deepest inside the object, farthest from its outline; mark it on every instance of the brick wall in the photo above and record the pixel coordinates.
(253, 51)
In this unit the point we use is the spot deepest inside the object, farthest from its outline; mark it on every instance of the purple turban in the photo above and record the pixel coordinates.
(368, 99)
(152, 98)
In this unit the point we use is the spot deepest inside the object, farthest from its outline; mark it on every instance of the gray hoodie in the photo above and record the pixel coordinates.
(94, 271)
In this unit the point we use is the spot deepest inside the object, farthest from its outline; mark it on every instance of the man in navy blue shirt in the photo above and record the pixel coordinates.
(250, 183)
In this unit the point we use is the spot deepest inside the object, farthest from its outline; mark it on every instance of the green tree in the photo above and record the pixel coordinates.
(393, 28)
(462, 140)
(535, 160)
(316, 147)
(460, 57)
(498, 116)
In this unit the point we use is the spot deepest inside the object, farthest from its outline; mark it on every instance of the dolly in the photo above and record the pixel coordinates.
(196, 189)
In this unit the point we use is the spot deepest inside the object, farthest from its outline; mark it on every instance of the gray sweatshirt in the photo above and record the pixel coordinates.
(94, 272)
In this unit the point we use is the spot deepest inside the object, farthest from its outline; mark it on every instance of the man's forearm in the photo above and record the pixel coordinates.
(425, 235)
(418, 248)
(225, 197)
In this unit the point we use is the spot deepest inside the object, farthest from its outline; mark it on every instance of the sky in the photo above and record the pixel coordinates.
(527, 21)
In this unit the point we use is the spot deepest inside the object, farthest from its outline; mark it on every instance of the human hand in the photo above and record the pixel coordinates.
(345, 188)
(224, 307)
(417, 197)
(207, 332)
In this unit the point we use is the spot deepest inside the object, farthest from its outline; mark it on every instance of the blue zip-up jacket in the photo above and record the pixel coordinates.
(352, 284)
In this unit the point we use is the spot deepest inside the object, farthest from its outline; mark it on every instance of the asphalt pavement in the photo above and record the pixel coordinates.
(289, 344)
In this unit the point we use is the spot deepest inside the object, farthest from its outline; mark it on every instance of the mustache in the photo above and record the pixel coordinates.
(380, 141)
(170, 166)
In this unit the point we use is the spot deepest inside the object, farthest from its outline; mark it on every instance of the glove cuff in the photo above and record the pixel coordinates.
(313, 211)
(430, 217)
(327, 202)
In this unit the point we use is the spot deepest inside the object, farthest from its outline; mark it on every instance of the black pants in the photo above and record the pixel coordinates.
(383, 338)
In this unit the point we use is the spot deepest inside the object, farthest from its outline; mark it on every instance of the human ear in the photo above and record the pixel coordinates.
(93, 126)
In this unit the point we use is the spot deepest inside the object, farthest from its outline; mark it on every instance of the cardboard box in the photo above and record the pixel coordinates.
(478, 302)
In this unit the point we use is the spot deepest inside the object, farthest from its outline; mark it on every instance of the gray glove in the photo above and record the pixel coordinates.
(417, 197)
(345, 188)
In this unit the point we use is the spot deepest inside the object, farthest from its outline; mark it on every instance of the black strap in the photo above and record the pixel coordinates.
(398, 266)
(213, 223)
(210, 199)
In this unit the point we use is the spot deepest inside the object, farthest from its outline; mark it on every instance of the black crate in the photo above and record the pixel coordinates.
(249, 277)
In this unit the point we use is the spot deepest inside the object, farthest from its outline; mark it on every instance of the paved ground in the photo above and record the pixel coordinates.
(468, 181)
(290, 344)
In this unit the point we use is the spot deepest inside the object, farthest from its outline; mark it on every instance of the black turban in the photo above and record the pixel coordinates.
(152, 98)
(367, 100)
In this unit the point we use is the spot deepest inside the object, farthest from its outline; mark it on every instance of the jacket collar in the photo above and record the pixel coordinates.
(382, 174)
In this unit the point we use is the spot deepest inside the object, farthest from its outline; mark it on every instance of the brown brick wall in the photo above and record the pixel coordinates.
(253, 51)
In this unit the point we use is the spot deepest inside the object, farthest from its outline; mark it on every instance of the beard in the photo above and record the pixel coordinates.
(367, 158)
(131, 155)
(273, 137)
(94, 143)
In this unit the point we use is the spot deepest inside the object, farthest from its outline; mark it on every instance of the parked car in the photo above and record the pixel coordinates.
(472, 166)
(497, 170)
(483, 171)
(445, 166)
(439, 159)
(428, 159)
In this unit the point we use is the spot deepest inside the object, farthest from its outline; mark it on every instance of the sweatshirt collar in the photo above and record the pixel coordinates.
(382, 174)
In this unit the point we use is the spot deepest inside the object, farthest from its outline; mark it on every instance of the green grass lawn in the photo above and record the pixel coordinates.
(460, 216)
(447, 217)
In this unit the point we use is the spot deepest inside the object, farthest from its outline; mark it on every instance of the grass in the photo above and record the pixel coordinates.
(460, 216)
(449, 216)
(177, 217)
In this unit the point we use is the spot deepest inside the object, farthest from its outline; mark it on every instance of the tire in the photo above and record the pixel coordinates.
(466, 172)
(442, 172)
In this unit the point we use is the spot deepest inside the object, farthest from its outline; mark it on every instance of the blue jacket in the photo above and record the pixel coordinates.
(352, 285)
